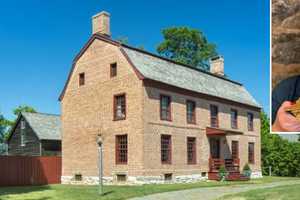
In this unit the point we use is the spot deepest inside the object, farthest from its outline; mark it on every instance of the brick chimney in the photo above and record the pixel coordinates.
(217, 65)
(101, 23)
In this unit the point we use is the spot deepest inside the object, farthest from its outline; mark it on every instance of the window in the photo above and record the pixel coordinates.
(81, 79)
(234, 118)
(166, 149)
(113, 69)
(251, 152)
(121, 177)
(250, 122)
(119, 107)
(165, 108)
(235, 149)
(168, 177)
(191, 112)
(191, 150)
(22, 133)
(121, 149)
(214, 122)
(23, 124)
(78, 177)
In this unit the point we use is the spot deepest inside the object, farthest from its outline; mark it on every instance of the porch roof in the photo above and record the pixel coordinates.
(211, 131)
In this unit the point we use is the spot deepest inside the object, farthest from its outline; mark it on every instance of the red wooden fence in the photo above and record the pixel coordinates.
(21, 170)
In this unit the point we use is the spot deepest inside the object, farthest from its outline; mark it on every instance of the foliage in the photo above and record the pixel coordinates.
(188, 46)
(6, 124)
(247, 170)
(283, 156)
(223, 173)
(23, 108)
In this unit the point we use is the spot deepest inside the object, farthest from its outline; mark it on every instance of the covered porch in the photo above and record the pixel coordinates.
(223, 153)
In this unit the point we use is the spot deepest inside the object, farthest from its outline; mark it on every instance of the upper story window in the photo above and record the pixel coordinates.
(81, 79)
(165, 107)
(191, 150)
(251, 152)
(113, 69)
(250, 121)
(121, 149)
(214, 121)
(234, 118)
(190, 112)
(119, 107)
(166, 149)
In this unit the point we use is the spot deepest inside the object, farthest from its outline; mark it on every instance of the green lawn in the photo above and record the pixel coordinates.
(71, 192)
(291, 192)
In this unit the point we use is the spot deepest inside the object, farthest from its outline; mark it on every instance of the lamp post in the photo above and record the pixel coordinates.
(100, 163)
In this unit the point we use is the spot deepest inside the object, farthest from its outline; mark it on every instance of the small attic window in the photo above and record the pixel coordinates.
(113, 69)
(23, 125)
(81, 79)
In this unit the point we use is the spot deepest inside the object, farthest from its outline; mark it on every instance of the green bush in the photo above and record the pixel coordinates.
(223, 173)
(247, 170)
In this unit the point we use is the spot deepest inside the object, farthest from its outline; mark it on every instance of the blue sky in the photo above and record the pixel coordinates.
(39, 39)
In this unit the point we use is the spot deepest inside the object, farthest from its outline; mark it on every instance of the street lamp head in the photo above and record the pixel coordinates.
(99, 140)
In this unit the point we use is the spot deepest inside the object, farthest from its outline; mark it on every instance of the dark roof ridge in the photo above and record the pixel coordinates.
(41, 113)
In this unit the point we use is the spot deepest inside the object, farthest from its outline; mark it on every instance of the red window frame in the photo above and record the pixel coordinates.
(123, 106)
(191, 115)
(113, 69)
(234, 118)
(214, 117)
(250, 118)
(191, 150)
(165, 113)
(81, 79)
(166, 149)
(121, 149)
(251, 151)
(235, 149)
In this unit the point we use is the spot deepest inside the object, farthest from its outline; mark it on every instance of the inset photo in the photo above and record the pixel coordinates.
(285, 66)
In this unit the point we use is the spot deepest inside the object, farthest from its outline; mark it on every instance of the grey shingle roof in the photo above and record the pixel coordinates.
(164, 71)
(46, 126)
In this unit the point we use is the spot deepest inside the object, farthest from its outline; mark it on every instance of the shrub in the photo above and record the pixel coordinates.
(222, 173)
(247, 170)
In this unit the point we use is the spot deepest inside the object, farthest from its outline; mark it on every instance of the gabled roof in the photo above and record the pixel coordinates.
(45, 126)
(150, 66)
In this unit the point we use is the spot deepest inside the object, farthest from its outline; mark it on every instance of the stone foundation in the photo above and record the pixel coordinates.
(256, 174)
(132, 180)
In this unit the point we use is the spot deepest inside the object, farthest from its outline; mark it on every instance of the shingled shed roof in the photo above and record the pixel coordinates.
(162, 70)
(46, 126)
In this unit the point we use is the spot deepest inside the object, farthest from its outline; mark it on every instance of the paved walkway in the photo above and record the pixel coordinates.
(211, 193)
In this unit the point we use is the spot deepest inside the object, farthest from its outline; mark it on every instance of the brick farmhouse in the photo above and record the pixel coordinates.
(159, 120)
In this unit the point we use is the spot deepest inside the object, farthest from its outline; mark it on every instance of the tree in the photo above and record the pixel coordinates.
(23, 108)
(187, 46)
(279, 154)
(3, 127)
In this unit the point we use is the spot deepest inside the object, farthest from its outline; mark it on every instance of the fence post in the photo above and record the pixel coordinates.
(270, 170)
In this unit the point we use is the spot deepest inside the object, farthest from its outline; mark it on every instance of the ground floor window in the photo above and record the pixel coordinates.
(121, 149)
(166, 149)
(191, 150)
(251, 152)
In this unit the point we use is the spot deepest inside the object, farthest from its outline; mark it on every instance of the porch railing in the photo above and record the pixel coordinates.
(230, 164)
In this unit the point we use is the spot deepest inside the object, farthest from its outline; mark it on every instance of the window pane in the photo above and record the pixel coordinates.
(214, 116)
(165, 108)
(120, 107)
(191, 150)
(121, 149)
(191, 106)
(166, 149)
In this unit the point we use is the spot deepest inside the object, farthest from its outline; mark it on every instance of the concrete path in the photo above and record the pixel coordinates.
(211, 193)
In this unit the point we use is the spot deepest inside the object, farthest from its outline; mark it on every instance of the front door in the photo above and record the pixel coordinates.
(215, 148)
